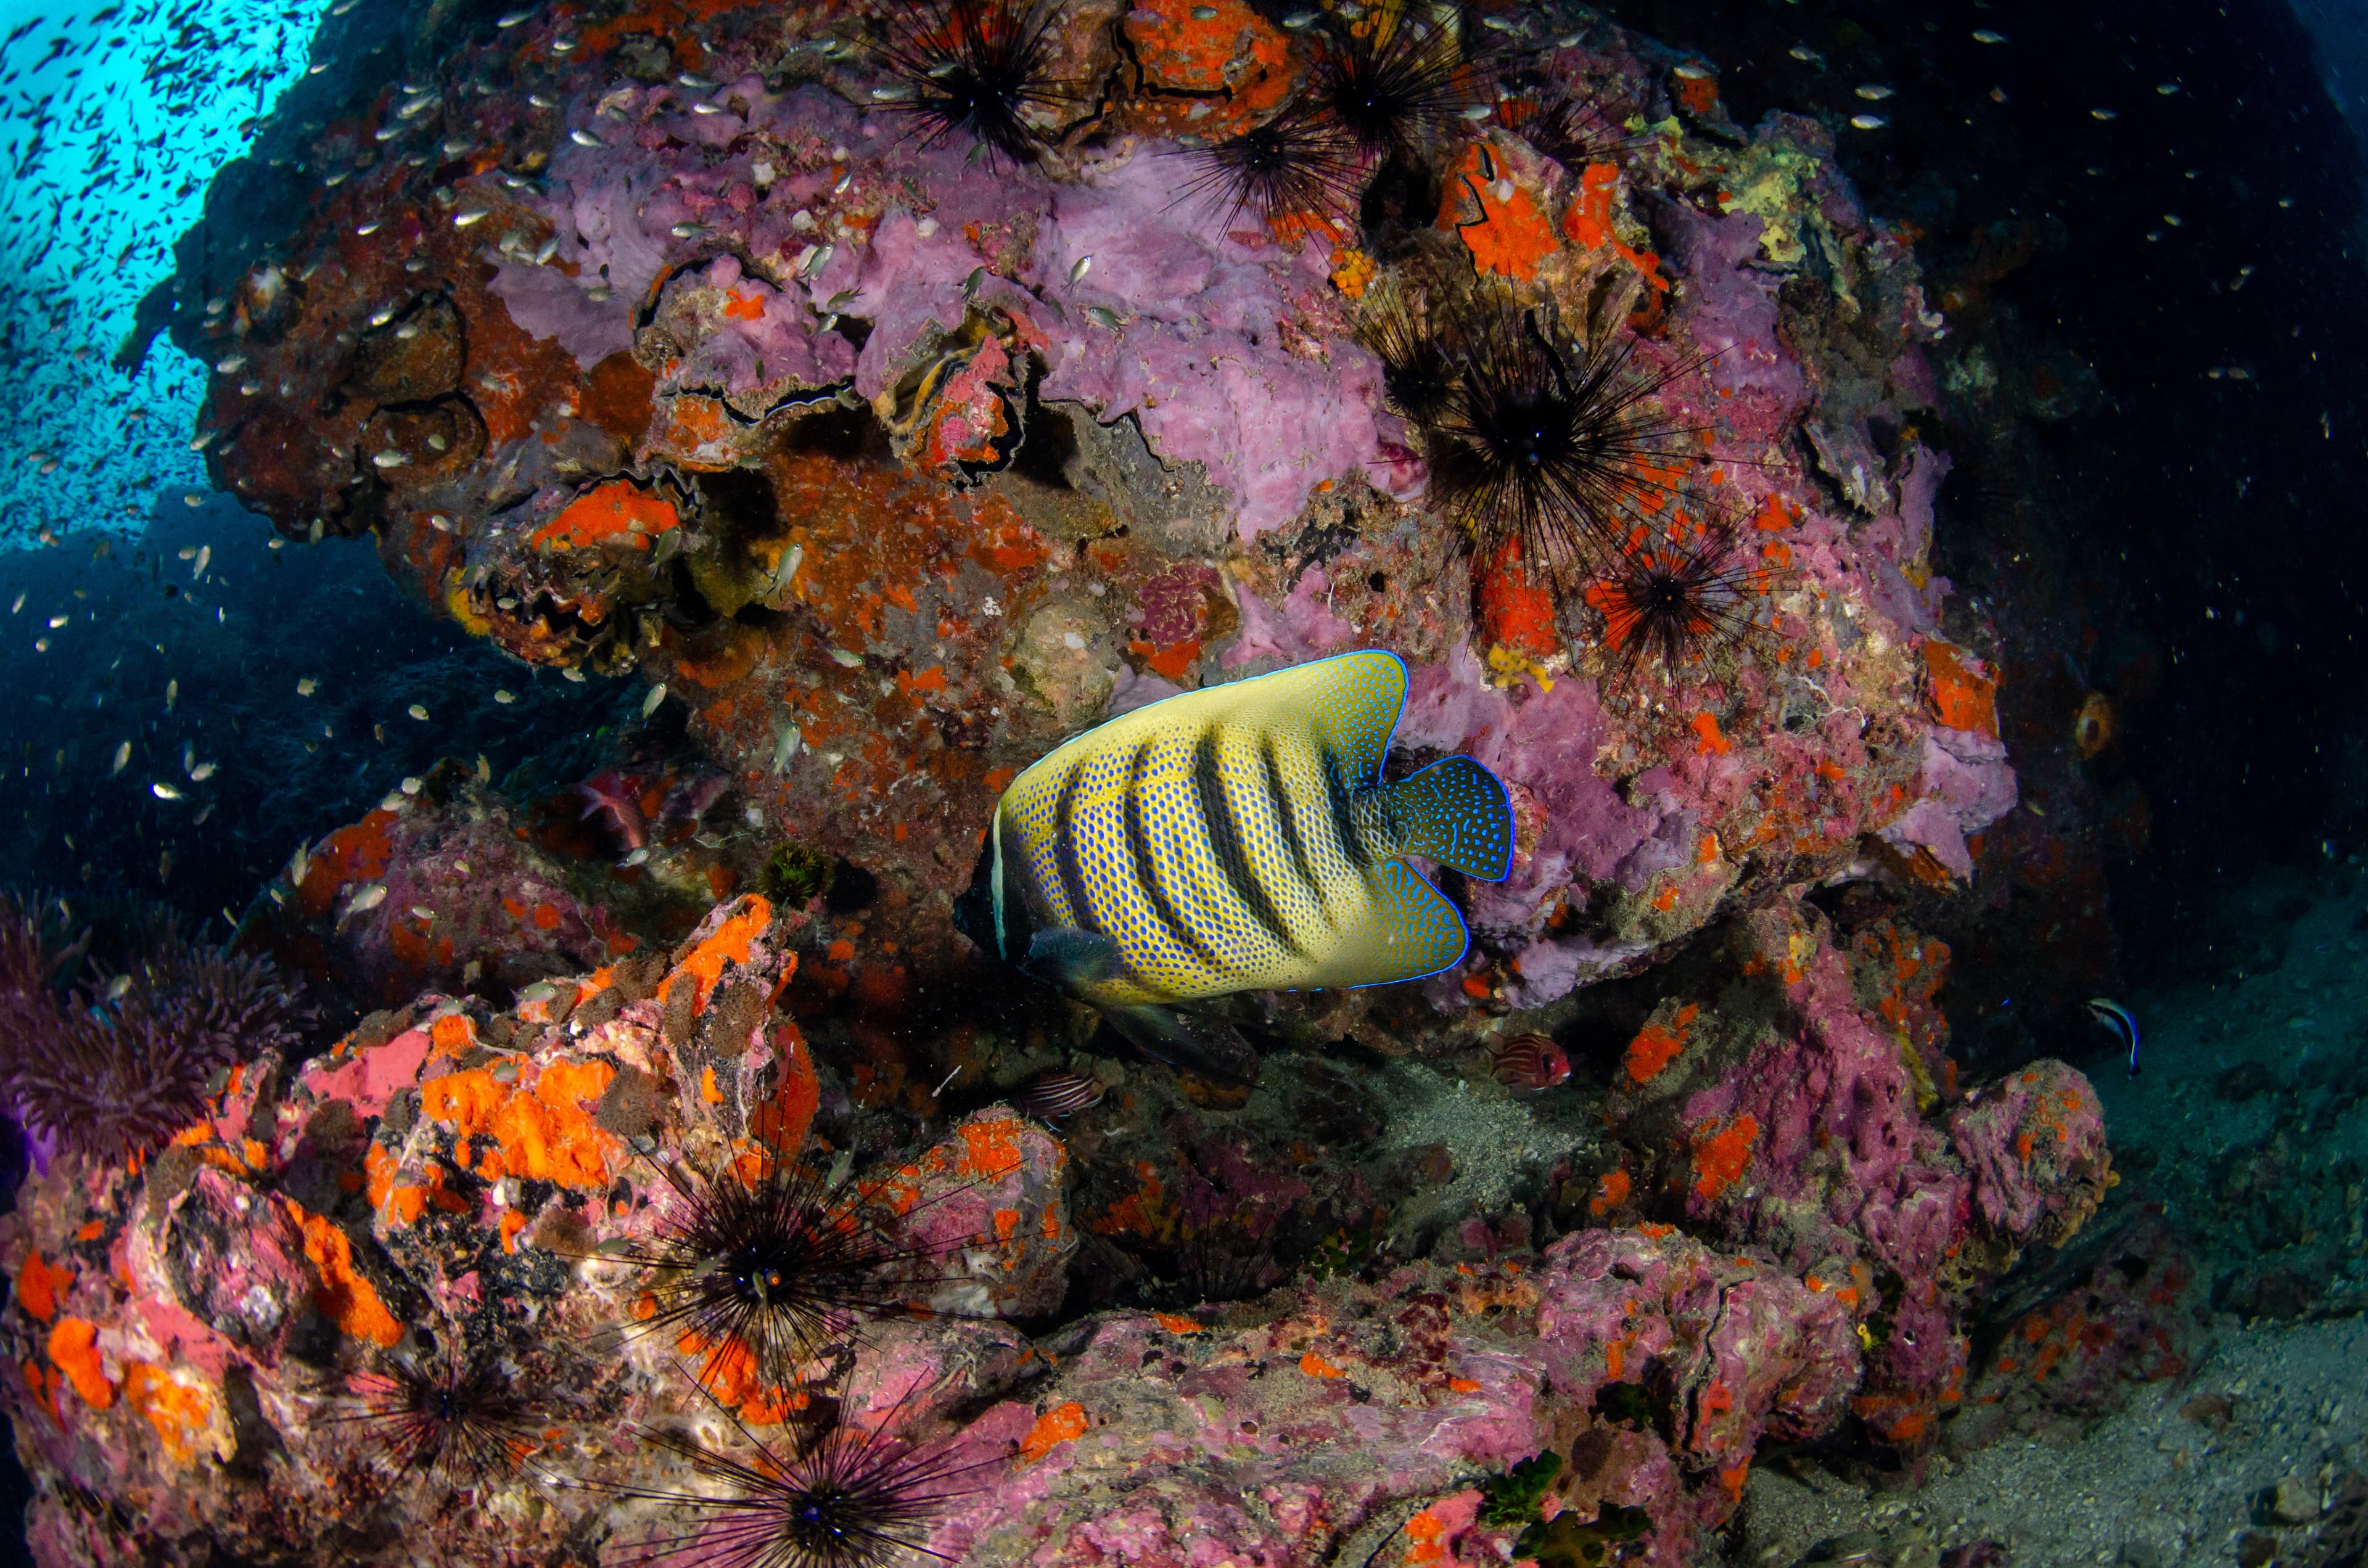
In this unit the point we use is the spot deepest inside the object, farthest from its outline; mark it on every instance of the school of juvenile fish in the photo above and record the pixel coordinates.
(111, 122)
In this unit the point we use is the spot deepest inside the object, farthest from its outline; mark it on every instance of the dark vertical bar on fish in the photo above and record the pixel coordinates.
(1226, 837)
(1341, 798)
(1287, 819)
(1145, 857)
(1064, 850)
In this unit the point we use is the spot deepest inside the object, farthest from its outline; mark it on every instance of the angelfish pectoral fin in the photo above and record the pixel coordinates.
(1066, 958)
(1209, 1047)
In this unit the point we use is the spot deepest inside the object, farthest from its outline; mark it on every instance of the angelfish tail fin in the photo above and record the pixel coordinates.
(1457, 812)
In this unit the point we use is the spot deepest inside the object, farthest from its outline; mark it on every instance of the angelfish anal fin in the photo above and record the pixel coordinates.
(1082, 964)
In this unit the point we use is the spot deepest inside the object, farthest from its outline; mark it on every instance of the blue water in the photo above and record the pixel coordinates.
(108, 143)
(143, 615)
(195, 644)
(2341, 30)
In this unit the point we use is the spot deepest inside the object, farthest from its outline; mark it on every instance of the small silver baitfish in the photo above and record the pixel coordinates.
(1235, 838)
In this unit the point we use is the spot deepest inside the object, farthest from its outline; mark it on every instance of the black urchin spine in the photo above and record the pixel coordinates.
(1554, 444)
(1565, 127)
(1300, 163)
(1677, 596)
(786, 1263)
(1392, 81)
(845, 1497)
(1417, 352)
(453, 1418)
(977, 68)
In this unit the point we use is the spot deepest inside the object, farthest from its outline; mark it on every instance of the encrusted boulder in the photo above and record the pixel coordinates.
(199, 1331)
(893, 463)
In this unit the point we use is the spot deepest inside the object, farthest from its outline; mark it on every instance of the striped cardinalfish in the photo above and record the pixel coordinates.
(1235, 838)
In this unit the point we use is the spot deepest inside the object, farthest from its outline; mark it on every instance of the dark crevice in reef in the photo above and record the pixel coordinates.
(851, 435)
(856, 330)
(738, 503)
(683, 607)
(1400, 208)
(1048, 447)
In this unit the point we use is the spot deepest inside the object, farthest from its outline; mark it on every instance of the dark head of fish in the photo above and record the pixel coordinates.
(991, 912)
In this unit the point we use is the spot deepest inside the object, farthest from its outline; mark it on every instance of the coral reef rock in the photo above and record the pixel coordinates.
(487, 1185)
(197, 1330)
(893, 463)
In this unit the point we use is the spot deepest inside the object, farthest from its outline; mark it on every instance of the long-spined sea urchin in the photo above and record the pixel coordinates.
(1298, 163)
(845, 1497)
(1563, 126)
(1558, 444)
(1392, 80)
(1417, 352)
(976, 67)
(786, 1264)
(452, 1417)
(1675, 595)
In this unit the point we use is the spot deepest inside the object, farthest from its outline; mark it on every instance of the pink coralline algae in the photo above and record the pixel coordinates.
(1180, 1438)
(1731, 1350)
(1965, 785)
(1805, 1133)
(454, 1172)
(1268, 426)
(883, 457)
(1738, 318)
(2033, 1144)
(880, 466)
(1163, 322)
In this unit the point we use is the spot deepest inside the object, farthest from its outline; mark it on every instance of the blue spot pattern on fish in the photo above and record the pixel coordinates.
(1240, 837)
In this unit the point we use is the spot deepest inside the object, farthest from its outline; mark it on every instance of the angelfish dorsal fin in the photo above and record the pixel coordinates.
(1350, 702)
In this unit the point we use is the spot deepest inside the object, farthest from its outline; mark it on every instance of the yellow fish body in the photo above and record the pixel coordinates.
(1235, 838)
